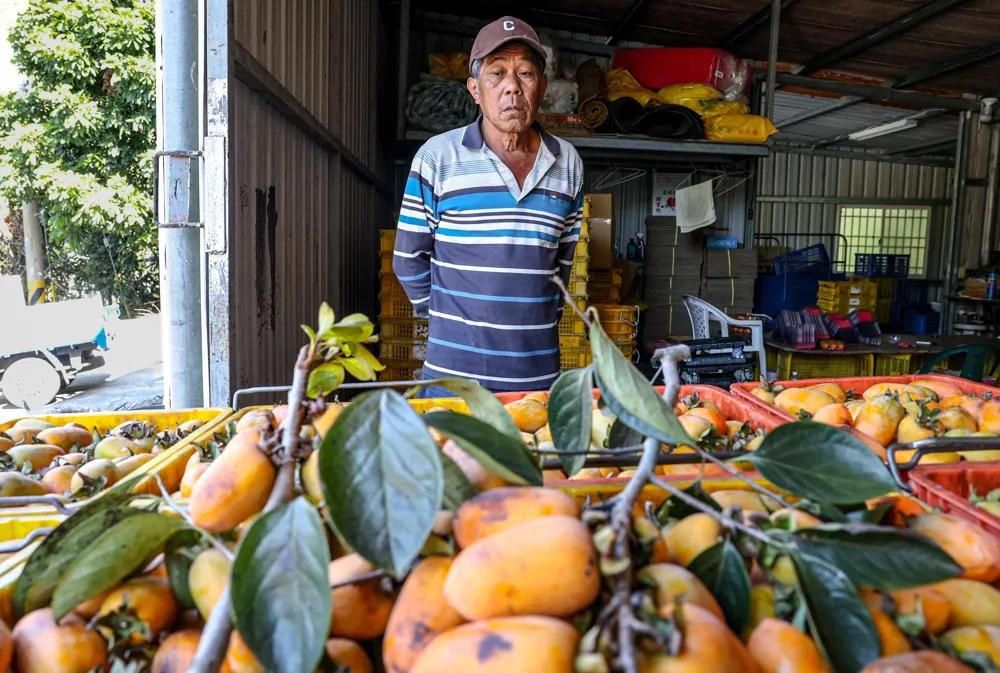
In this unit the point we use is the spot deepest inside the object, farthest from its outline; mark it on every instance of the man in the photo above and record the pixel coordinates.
(490, 211)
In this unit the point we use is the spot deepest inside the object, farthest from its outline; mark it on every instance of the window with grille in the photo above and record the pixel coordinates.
(896, 231)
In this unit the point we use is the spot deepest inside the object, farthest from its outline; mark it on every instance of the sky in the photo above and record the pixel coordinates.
(9, 77)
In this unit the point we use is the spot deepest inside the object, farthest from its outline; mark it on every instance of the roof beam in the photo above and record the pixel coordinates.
(873, 37)
(922, 146)
(755, 20)
(879, 93)
(626, 21)
(947, 65)
(840, 137)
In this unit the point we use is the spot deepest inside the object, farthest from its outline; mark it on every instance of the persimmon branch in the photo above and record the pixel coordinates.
(215, 636)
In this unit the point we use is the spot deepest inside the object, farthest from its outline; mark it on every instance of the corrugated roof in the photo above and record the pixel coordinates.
(809, 28)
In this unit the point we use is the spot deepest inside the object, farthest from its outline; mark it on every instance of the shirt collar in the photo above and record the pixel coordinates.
(473, 137)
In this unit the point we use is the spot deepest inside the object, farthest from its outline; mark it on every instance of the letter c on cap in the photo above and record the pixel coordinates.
(508, 25)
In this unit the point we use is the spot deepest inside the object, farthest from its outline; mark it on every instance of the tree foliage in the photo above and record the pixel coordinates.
(78, 138)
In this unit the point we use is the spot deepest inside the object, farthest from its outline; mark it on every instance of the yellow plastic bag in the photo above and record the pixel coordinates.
(689, 95)
(714, 108)
(739, 128)
(620, 84)
(450, 66)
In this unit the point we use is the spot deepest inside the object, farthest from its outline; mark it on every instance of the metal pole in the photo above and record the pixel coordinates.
(178, 108)
(34, 252)
(772, 56)
(990, 217)
(954, 243)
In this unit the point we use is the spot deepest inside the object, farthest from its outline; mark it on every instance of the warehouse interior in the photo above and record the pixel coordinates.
(884, 111)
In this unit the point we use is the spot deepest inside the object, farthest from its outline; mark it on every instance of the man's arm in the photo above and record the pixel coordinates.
(415, 235)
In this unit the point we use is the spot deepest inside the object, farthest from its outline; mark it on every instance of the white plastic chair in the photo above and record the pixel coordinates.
(701, 312)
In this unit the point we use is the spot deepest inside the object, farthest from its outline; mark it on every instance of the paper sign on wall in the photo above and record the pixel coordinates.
(664, 194)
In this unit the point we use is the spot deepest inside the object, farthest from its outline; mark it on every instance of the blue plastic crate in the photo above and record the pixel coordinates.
(811, 260)
(776, 293)
(921, 322)
(881, 266)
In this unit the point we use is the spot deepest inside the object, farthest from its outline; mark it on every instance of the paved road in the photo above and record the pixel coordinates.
(131, 378)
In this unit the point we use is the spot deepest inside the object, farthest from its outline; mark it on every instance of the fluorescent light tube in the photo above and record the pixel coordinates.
(884, 129)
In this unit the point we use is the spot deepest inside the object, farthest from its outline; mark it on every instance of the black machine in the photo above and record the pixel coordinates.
(718, 362)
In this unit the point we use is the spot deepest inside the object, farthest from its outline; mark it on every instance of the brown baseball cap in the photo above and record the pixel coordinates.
(503, 30)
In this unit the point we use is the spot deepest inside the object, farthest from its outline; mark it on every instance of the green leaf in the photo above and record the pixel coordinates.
(310, 333)
(60, 548)
(840, 622)
(324, 379)
(112, 557)
(570, 411)
(675, 508)
(358, 368)
(363, 353)
(822, 463)
(629, 395)
(457, 487)
(504, 456)
(482, 403)
(721, 569)
(382, 479)
(281, 601)
(326, 320)
(884, 558)
(355, 327)
(178, 554)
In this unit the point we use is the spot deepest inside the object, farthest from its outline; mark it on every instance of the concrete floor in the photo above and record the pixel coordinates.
(131, 377)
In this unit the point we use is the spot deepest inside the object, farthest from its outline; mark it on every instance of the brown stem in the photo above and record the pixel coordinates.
(621, 515)
(215, 636)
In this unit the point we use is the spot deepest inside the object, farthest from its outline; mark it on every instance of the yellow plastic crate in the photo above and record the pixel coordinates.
(385, 257)
(824, 366)
(582, 248)
(396, 307)
(403, 328)
(574, 352)
(163, 420)
(619, 329)
(580, 266)
(390, 286)
(570, 324)
(400, 370)
(883, 311)
(605, 285)
(846, 304)
(892, 365)
(618, 312)
(402, 349)
(577, 286)
(387, 240)
(840, 288)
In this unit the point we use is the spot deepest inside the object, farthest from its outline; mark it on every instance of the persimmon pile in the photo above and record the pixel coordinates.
(702, 419)
(40, 458)
(890, 413)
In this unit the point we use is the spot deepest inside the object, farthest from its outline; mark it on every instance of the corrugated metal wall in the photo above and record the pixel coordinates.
(304, 218)
(798, 197)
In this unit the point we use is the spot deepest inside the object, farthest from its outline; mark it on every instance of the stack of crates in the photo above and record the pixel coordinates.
(605, 286)
(403, 336)
(844, 296)
(621, 324)
(886, 295)
(572, 332)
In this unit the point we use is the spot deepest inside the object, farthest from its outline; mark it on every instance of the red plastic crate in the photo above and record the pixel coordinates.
(858, 384)
(950, 485)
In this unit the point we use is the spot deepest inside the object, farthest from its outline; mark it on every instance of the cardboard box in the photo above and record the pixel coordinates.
(629, 271)
(602, 231)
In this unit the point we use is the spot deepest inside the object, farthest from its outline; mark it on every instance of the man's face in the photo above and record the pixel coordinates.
(509, 88)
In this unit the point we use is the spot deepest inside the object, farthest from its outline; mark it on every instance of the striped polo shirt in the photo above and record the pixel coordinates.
(475, 252)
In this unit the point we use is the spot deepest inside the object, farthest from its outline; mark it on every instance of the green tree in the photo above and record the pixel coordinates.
(78, 138)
